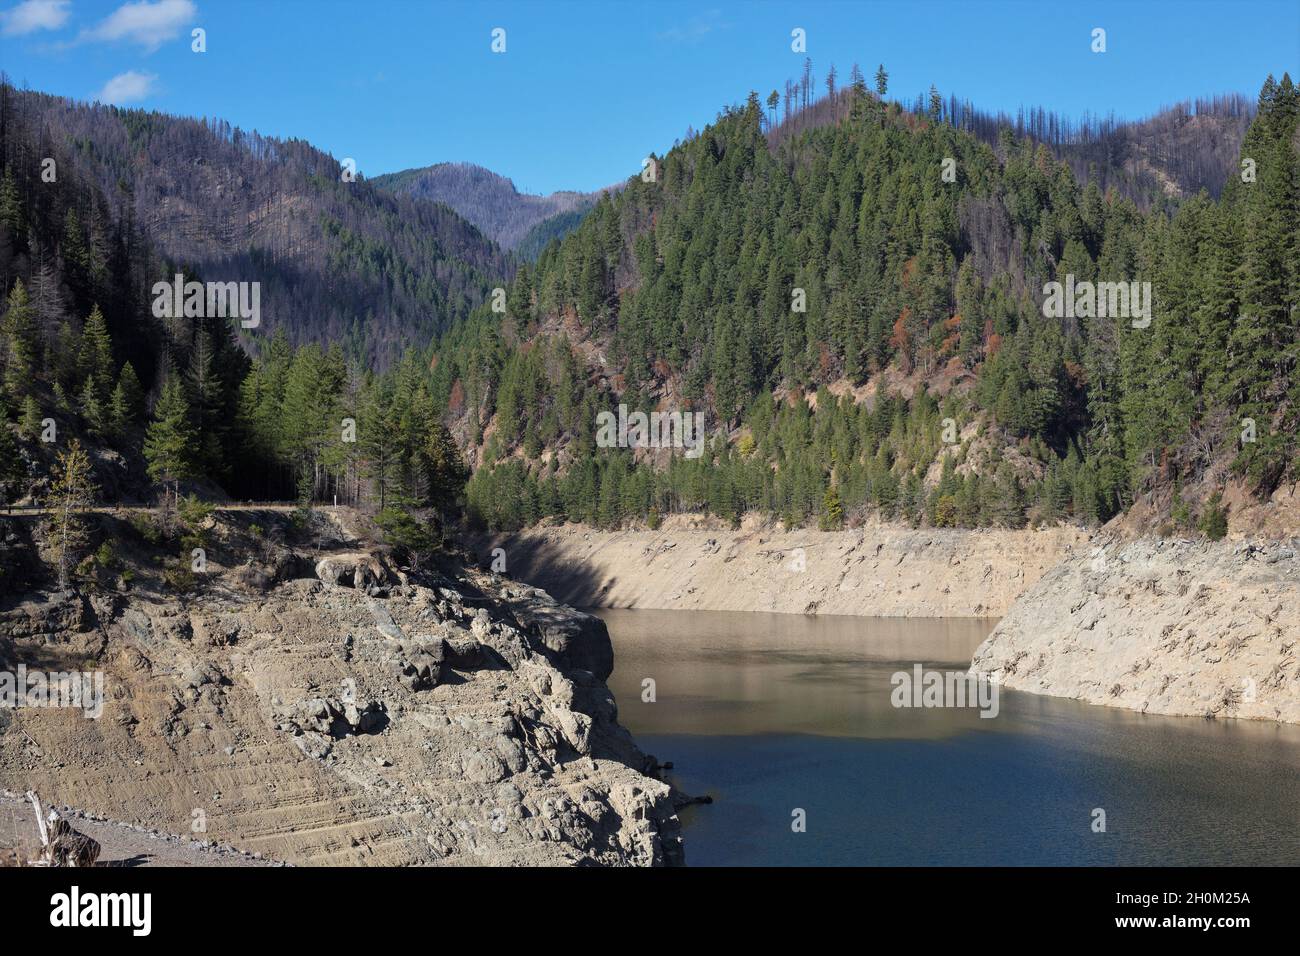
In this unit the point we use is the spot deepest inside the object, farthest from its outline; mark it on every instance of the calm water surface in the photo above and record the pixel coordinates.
(772, 712)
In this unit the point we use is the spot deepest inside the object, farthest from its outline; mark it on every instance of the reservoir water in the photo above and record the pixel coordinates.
(771, 714)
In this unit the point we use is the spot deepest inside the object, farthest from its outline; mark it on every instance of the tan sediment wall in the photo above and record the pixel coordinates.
(877, 570)
(1189, 628)
(1179, 627)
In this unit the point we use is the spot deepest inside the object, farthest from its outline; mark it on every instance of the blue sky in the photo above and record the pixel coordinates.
(585, 90)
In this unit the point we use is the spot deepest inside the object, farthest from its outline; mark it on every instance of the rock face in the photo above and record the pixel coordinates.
(1165, 627)
(369, 715)
(567, 637)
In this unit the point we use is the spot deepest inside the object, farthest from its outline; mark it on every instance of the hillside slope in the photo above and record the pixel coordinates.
(1164, 627)
(868, 310)
(338, 261)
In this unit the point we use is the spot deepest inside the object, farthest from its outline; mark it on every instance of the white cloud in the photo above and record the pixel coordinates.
(127, 87)
(33, 15)
(696, 28)
(150, 24)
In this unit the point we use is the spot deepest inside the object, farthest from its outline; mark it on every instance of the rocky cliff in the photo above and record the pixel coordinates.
(331, 708)
(1160, 626)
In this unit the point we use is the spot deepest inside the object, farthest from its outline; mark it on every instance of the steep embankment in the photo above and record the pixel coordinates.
(1165, 627)
(882, 570)
(337, 710)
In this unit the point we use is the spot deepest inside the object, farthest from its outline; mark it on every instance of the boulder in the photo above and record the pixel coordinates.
(356, 569)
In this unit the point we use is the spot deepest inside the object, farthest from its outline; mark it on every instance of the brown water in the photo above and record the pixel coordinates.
(773, 714)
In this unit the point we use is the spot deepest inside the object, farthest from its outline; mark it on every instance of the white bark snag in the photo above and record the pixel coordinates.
(40, 819)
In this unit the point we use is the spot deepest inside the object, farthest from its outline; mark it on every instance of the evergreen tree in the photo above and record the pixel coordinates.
(170, 441)
(29, 422)
(96, 357)
(18, 343)
(13, 474)
(93, 411)
(11, 206)
(126, 404)
(72, 490)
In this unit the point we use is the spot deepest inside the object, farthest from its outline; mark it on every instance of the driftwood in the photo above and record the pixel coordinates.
(62, 845)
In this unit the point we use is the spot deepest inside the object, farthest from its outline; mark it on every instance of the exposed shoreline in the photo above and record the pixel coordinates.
(330, 708)
(1176, 627)
(878, 570)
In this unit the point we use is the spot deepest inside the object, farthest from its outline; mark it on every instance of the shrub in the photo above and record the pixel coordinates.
(1214, 519)
(147, 528)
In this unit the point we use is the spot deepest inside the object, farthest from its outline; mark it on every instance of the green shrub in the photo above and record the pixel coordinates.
(147, 527)
(1214, 519)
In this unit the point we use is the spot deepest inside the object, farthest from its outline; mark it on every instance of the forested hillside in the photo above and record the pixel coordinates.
(851, 293)
(549, 230)
(828, 299)
(1177, 152)
(491, 202)
(338, 261)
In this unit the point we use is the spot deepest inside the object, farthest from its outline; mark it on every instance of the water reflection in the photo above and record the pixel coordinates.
(770, 712)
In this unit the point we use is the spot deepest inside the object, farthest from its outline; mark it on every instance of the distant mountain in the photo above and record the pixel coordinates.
(337, 261)
(491, 202)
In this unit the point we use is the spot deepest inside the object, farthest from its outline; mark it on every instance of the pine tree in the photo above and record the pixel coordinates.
(127, 401)
(29, 422)
(13, 473)
(11, 207)
(72, 490)
(96, 358)
(832, 510)
(377, 440)
(1263, 338)
(203, 386)
(169, 443)
(93, 411)
(447, 472)
(18, 344)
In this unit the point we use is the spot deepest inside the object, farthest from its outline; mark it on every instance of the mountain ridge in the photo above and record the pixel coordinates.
(337, 260)
(486, 198)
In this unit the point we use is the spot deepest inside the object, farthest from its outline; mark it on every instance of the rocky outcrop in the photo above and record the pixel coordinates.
(569, 638)
(1165, 627)
(367, 715)
(47, 614)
